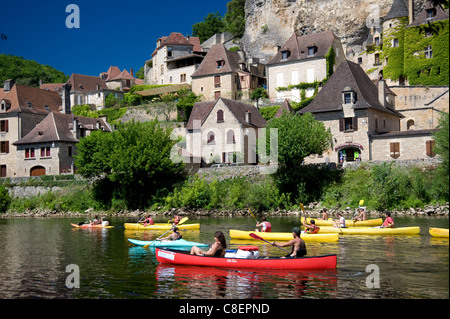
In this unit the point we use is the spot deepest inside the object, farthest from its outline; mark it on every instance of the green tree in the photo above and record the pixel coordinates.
(5, 199)
(235, 17)
(213, 23)
(441, 179)
(298, 137)
(130, 165)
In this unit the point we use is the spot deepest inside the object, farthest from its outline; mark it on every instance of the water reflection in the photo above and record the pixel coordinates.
(210, 283)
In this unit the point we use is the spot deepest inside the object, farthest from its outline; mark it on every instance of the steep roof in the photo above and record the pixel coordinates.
(348, 74)
(113, 71)
(56, 127)
(176, 38)
(298, 47)
(439, 14)
(201, 111)
(398, 9)
(286, 107)
(122, 75)
(217, 53)
(86, 83)
(31, 100)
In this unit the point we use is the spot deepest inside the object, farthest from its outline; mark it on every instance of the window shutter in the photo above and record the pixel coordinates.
(7, 147)
(395, 150)
(355, 124)
(217, 80)
(430, 148)
(341, 124)
(6, 126)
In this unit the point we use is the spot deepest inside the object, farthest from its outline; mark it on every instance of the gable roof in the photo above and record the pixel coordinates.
(218, 52)
(113, 71)
(27, 99)
(176, 38)
(124, 75)
(348, 74)
(201, 111)
(86, 83)
(286, 107)
(298, 47)
(422, 18)
(398, 9)
(57, 127)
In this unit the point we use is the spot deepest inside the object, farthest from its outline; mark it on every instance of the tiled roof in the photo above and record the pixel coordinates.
(398, 9)
(286, 107)
(348, 74)
(125, 75)
(422, 18)
(217, 53)
(201, 111)
(86, 83)
(56, 127)
(31, 100)
(298, 47)
(113, 71)
(176, 38)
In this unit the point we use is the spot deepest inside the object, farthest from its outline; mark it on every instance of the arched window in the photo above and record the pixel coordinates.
(230, 137)
(219, 116)
(210, 138)
(410, 125)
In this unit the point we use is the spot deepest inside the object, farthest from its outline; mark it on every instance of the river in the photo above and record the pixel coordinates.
(37, 256)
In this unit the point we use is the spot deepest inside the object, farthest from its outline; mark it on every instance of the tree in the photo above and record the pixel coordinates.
(213, 23)
(131, 164)
(441, 180)
(298, 137)
(235, 17)
(5, 199)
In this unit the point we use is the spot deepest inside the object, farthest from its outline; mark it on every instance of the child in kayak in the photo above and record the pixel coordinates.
(266, 227)
(218, 249)
(298, 245)
(311, 229)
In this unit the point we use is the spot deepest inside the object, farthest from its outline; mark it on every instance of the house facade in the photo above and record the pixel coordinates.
(174, 60)
(224, 73)
(120, 80)
(223, 131)
(301, 63)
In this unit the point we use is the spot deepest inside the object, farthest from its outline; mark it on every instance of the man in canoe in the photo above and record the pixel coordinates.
(218, 249)
(388, 222)
(266, 227)
(324, 212)
(362, 215)
(174, 236)
(147, 221)
(298, 245)
(311, 229)
(340, 222)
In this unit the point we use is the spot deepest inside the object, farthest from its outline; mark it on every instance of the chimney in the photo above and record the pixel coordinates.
(248, 117)
(66, 98)
(131, 72)
(382, 92)
(8, 85)
(411, 11)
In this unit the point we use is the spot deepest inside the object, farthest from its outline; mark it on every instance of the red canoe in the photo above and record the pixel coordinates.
(182, 258)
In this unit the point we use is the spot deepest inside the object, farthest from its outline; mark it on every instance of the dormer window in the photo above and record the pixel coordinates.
(431, 13)
(220, 64)
(348, 95)
(312, 50)
(30, 105)
(285, 54)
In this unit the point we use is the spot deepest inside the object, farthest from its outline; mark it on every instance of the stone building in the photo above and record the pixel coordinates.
(223, 131)
(301, 63)
(120, 80)
(225, 73)
(174, 60)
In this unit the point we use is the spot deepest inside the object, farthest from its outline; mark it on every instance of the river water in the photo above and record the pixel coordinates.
(37, 257)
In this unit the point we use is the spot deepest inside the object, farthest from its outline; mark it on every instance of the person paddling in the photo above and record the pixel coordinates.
(311, 229)
(340, 222)
(362, 215)
(147, 221)
(266, 227)
(298, 245)
(218, 249)
(174, 236)
(388, 222)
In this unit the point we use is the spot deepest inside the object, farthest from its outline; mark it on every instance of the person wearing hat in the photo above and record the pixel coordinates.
(174, 236)
(298, 245)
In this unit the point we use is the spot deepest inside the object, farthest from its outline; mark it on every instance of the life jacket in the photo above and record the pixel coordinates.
(315, 230)
(268, 227)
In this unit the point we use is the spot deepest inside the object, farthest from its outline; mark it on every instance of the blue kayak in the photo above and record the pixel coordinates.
(180, 243)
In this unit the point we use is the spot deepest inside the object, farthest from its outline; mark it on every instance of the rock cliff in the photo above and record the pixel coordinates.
(269, 23)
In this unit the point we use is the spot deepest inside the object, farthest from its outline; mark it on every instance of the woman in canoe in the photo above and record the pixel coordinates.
(339, 223)
(147, 221)
(174, 236)
(175, 220)
(266, 227)
(298, 245)
(388, 222)
(217, 249)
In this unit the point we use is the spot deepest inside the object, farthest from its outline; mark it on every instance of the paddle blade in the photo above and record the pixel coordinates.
(302, 207)
(254, 236)
(183, 220)
(361, 202)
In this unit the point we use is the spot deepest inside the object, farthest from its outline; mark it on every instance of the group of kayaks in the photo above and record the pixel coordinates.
(178, 251)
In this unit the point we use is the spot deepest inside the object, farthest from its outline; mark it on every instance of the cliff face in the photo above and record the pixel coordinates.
(270, 23)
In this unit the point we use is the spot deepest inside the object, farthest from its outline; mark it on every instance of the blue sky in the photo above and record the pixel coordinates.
(120, 33)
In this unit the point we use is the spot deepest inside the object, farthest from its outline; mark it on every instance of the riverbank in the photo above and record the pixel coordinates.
(312, 209)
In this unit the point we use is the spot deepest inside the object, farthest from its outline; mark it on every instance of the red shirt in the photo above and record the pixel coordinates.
(387, 221)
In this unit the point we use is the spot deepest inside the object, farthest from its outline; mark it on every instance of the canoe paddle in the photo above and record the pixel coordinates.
(254, 236)
(250, 211)
(182, 221)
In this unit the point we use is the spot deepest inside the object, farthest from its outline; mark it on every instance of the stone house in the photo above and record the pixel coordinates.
(120, 80)
(86, 90)
(223, 131)
(49, 148)
(224, 73)
(21, 109)
(174, 60)
(301, 63)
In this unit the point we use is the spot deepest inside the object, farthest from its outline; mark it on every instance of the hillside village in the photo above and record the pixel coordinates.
(380, 104)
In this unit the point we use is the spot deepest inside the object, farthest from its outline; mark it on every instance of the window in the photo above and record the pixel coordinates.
(4, 147)
(428, 52)
(183, 77)
(169, 52)
(210, 138)
(430, 14)
(69, 151)
(170, 79)
(217, 81)
(230, 137)
(348, 124)
(347, 98)
(377, 41)
(360, 60)
(377, 58)
(312, 50)
(162, 69)
(395, 150)
(285, 55)
(395, 43)
(4, 126)
(29, 153)
(219, 116)
(220, 64)
(217, 95)
(45, 151)
(430, 148)
(2, 170)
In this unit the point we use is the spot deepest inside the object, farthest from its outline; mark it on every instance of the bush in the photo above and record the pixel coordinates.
(5, 199)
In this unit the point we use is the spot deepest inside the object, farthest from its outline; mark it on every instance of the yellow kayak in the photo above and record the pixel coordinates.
(241, 234)
(370, 230)
(159, 226)
(439, 232)
(348, 222)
